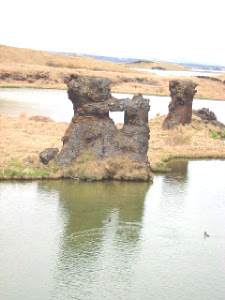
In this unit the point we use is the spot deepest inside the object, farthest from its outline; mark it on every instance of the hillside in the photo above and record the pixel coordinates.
(39, 69)
(142, 64)
(27, 57)
(100, 57)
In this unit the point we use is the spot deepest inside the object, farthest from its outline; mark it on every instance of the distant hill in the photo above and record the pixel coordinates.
(203, 66)
(126, 60)
(104, 58)
(19, 57)
(157, 65)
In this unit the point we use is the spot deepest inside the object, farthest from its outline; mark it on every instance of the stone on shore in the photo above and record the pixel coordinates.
(47, 155)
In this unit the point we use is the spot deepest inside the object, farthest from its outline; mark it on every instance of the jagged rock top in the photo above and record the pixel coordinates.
(184, 89)
(91, 97)
(85, 90)
(180, 108)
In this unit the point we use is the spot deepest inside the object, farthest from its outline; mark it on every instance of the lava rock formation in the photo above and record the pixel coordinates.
(92, 131)
(180, 108)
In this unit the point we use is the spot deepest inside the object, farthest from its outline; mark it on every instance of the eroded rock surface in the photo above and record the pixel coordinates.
(180, 108)
(208, 116)
(94, 133)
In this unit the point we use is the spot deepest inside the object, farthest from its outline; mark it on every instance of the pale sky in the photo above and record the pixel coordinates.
(163, 29)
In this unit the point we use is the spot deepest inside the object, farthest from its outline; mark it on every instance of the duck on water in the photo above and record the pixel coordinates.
(206, 235)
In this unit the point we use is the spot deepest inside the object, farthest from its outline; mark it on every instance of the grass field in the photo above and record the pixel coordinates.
(23, 138)
(195, 140)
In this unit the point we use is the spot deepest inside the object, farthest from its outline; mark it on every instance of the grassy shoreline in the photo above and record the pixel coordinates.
(162, 168)
(197, 140)
(32, 135)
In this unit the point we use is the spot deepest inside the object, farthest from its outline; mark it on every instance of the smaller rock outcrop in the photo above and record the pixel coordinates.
(48, 154)
(180, 108)
(206, 114)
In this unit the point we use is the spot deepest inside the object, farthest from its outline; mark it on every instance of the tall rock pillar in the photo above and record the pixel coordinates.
(180, 108)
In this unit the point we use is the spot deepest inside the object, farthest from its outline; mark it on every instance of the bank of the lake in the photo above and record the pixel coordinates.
(143, 82)
(23, 138)
(197, 140)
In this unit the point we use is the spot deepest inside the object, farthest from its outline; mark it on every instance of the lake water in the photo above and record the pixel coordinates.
(45, 102)
(56, 105)
(67, 240)
(192, 73)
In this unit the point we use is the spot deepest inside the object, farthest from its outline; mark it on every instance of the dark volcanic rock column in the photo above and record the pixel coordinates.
(180, 108)
(92, 131)
(136, 128)
(91, 128)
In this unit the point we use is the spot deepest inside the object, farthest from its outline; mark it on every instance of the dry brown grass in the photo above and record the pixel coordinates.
(30, 68)
(158, 64)
(189, 141)
(32, 58)
(208, 89)
(22, 139)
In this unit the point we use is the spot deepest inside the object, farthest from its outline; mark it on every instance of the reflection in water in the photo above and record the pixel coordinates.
(179, 169)
(113, 240)
(89, 205)
(91, 244)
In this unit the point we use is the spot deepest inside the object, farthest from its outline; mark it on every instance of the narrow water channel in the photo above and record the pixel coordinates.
(56, 105)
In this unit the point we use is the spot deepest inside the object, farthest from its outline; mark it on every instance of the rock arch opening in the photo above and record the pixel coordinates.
(118, 118)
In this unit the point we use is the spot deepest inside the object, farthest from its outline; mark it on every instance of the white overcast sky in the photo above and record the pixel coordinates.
(165, 29)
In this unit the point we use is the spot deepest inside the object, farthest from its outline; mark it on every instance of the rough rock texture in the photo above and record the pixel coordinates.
(180, 108)
(208, 116)
(48, 154)
(94, 133)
